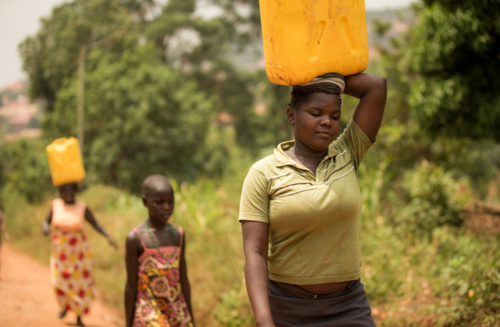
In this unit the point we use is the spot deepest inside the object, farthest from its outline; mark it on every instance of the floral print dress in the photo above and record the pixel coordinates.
(160, 301)
(71, 267)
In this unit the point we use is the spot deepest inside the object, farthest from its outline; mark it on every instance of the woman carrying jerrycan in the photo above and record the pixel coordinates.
(71, 258)
(300, 207)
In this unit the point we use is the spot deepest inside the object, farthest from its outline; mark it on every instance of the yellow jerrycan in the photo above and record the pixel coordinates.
(65, 161)
(307, 38)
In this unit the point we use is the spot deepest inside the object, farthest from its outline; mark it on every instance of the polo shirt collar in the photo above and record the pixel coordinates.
(281, 159)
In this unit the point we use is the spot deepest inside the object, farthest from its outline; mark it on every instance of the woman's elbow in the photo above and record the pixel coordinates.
(379, 83)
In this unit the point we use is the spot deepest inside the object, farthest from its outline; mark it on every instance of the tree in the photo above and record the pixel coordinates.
(51, 57)
(456, 54)
(156, 75)
(24, 170)
(144, 118)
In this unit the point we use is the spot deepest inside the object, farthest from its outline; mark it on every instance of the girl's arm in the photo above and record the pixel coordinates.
(186, 287)
(372, 92)
(46, 223)
(255, 244)
(89, 216)
(131, 256)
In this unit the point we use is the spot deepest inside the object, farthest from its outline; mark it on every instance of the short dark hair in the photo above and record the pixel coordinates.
(155, 183)
(301, 93)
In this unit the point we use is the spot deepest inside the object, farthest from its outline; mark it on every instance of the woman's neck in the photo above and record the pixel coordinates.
(306, 156)
(303, 151)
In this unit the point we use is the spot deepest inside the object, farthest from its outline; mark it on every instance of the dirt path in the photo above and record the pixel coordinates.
(27, 298)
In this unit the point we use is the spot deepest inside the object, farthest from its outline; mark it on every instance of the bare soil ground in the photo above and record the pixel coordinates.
(27, 298)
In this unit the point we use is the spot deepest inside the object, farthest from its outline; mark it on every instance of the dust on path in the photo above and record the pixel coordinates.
(27, 298)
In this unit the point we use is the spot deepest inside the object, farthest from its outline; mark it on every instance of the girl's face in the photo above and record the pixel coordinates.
(160, 204)
(68, 193)
(316, 123)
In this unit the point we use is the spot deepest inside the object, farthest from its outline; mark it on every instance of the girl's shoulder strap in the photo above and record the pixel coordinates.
(181, 232)
(140, 239)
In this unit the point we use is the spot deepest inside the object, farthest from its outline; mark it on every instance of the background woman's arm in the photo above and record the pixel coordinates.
(89, 216)
(131, 256)
(46, 223)
(255, 244)
(186, 287)
(372, 92)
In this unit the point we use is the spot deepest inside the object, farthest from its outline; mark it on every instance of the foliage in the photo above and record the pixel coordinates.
(143, 119)
(405, 138)
(24, 170)
(455, 52)
(51, 57)
(433, 199)
(265, 124)
(156, 76)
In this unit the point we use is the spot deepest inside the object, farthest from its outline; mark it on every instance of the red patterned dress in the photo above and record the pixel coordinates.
(71, 258)
(160, 302)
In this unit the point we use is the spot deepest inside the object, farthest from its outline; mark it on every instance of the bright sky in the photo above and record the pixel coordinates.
(20, 18)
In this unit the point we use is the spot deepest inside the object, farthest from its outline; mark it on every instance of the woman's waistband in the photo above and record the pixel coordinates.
(295, 291)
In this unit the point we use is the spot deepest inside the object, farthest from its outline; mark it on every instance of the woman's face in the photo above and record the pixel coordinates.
(68, 193)
(316, 123)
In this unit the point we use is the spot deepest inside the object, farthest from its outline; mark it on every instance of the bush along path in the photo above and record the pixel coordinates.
(27, 298)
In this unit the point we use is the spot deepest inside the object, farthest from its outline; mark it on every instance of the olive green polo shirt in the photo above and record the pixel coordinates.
(314, 220)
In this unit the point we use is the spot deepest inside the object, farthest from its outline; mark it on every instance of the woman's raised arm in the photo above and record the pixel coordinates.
(372, 92)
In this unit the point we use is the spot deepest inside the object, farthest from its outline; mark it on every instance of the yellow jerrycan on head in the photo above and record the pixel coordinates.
(65, 161)
(307, 38)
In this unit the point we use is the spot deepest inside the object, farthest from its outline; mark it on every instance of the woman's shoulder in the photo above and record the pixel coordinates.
(81, 203)
(264, 163)
(57, 201)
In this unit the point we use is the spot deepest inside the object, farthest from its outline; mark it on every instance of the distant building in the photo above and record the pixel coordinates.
(17, 113)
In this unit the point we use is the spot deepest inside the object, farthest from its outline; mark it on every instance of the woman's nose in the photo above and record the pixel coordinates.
(326, 121)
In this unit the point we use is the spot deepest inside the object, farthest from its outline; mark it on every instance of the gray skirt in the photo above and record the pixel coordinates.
(292, 306)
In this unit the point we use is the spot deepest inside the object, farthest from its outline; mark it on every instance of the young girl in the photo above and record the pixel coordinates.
(71, 259)
(157, 292)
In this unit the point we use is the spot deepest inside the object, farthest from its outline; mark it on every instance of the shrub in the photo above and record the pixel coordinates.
(431, 198)
(24, 170)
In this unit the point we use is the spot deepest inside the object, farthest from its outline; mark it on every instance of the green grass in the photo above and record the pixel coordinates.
(458, 272)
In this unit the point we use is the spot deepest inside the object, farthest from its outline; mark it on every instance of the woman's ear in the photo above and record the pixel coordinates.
(290, 115)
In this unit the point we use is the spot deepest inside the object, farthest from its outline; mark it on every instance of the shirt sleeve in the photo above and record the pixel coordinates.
(356, 141)
(254, 203)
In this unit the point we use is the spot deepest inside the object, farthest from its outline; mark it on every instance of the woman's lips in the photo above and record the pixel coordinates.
(324, 134)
